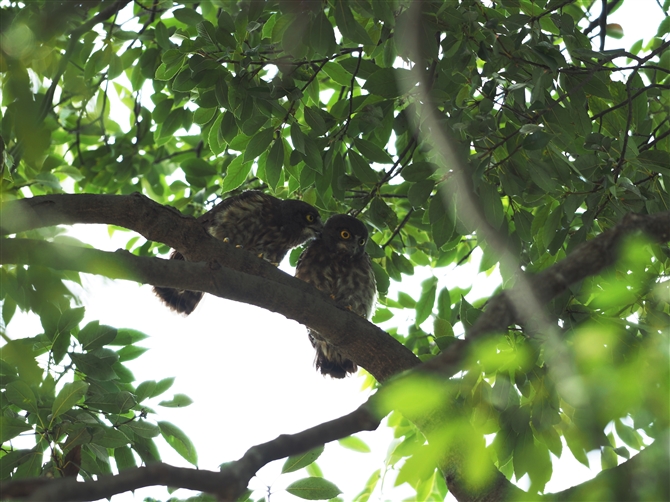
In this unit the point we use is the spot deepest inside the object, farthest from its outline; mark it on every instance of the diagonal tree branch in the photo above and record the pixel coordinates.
(228, 484)
(368, 345)
(591, 258)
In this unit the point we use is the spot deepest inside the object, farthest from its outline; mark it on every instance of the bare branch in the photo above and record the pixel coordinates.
(228, 484)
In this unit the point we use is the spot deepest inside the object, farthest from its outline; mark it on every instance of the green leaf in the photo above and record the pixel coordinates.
(14, 458)
(8, 309)
(179, 441)
(113, 438)
(228, 127)
(552, 440)
(21, 357)
(20, 394)
(60, 345)
(354, 443)
(274, 163)
(424, 306)
(11, 427)
(381, 315)
(370, 484)
(551, 226)
(203, 115)
(69, 395)
(142, 428)
(236, 174)
(419, 193)
(124, 458)
(405, 300)
(258, 144)
(146, 449)
(608, 459)
(30, 465)
(362, 169)
(187, 16)
(418, 467)
(298, 138)
(348, 26)
(145, 390)
(338, 74)
(390, 82)
(313, 158)
(112, 402)
(96, 364)
(130, 352)
(381, 277)
(313, 489)
(94, 336)
(574, 441)
(444, 304)
(536, 140)
(296, 462)
(126, 336)
(162, 386)
(178, 401)
(628, 435)
(315, 121)
(381, 214)
(443, 332)
(322, 35)
(198, 167)
(167, 72)
(372, 152)
(173, 122)
(314, 470)
(418, 171)
(442, 230)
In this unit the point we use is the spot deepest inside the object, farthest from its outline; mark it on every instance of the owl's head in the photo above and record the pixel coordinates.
(346, 234)
(301, 218)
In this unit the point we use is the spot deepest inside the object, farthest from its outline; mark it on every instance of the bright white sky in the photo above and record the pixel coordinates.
(249, 371)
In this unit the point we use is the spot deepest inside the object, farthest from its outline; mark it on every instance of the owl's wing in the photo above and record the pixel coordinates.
(250, 197)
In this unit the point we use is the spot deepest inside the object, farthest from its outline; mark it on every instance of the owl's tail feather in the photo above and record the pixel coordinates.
(330, 362)
(181, 301)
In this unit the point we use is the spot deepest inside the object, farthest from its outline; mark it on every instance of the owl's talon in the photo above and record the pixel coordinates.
(238, 246)
(226, 240)
(260, 255)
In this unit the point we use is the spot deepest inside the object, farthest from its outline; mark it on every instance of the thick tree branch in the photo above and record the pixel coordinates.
(228, 484)
(366, 344)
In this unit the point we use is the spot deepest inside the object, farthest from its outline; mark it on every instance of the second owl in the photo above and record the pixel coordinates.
(337, 264)
(257, 222)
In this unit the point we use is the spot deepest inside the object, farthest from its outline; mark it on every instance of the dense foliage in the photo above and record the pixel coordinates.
(329, 102)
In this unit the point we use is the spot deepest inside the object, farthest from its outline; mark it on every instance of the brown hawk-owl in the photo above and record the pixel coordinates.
(336, 263)
(257, 222)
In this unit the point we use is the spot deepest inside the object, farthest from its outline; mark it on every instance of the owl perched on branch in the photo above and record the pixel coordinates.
(336, 263)
(257, 222)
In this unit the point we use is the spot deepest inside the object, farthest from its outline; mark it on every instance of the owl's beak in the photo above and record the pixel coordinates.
(314, 230)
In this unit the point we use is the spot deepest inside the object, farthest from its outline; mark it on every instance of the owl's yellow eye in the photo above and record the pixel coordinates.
(361, 242)
(345, 235)
(309, 218)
